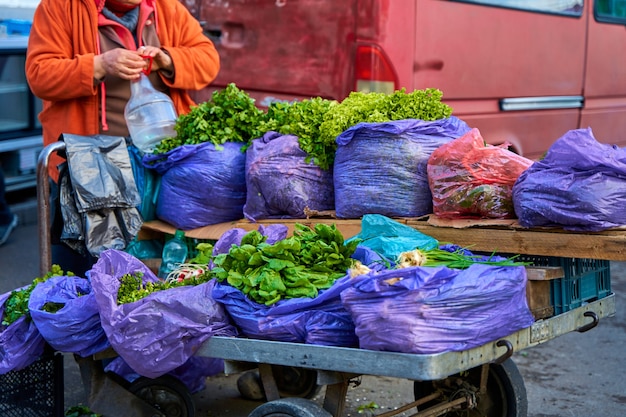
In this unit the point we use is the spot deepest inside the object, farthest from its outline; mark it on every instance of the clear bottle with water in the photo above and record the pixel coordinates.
(150, 115)
(174, 253)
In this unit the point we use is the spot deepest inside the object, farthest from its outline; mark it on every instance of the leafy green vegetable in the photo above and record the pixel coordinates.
(80, 411)
(298, 266)
(303, 119)
(361, 107)
(133, 289)
(458, 258)
(16, 306)
(230, 116)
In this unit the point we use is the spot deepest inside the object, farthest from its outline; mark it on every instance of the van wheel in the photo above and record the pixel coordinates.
(505, 394)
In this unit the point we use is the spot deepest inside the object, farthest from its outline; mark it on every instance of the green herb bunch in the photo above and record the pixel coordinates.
(16, 306)
(229, 116)
(298, 266)
(132, 288)
(361, 107)
(303, 119)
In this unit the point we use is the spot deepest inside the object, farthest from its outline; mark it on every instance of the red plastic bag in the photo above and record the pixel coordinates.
(471, 179)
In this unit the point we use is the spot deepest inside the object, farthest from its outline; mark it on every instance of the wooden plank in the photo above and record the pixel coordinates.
(544, 273)
(498, 237)
(609, 246)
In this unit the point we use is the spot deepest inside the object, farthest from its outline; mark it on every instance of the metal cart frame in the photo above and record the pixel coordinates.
(337, 366)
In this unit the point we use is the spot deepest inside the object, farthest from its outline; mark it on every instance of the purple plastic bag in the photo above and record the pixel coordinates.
(192, 373)
(160, 332)
(580, 185)
(76, 327)
(200, 184)
(432, 310)
(280, 183)
(21, 344)
(318, 321)
(380, 168)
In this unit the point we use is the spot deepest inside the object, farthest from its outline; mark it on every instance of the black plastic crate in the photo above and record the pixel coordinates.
(584, 280)
(35, 391)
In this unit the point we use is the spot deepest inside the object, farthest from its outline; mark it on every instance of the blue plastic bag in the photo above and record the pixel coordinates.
(200, 184)
(380, 168)
(21, 343)
(160, 332)
(432, 310)
(390, 238)
(280, 183)
(75, 328)
(580, 185)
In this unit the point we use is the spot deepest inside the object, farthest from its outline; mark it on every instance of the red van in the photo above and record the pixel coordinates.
(521, 71)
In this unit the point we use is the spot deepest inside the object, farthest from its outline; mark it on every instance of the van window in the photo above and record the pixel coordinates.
(610, 11)
(563, 7)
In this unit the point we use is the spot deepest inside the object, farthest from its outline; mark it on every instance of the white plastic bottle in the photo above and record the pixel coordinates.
(150, 115)
(174, 253)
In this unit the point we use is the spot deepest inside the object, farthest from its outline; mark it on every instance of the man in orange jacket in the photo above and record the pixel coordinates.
(83, 54)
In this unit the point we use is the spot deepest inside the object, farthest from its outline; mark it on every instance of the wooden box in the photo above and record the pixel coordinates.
(538, 289)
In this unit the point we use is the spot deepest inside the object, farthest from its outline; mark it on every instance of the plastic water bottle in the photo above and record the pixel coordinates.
(174, 254)
(150, 115)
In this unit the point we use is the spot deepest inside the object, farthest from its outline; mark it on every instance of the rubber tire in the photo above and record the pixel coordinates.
(295, 382)
(290, 382)
(166, 393)
(290, 407)
(506, 392)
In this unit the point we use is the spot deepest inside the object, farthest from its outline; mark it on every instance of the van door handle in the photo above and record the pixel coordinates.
(433, 64)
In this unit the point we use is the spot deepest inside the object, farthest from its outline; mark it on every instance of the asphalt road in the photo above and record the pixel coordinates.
(578, 374)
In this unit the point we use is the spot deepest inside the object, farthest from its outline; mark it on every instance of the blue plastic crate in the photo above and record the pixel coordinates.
(584, 280)
(16, 26)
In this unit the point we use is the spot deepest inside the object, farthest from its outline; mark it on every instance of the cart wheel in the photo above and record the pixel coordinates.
(505, 396)
(286, 407)
(295, 382)
(290, 382)
(166, 393)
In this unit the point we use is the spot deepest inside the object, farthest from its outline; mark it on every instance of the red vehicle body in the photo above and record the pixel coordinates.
(522, 72)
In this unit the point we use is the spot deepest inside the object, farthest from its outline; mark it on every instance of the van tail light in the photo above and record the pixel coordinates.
(373, 71)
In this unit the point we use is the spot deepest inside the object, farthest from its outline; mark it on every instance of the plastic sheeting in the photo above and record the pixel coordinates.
(280, 183)
(432, 310)
(380, 168)
(75, 327)
(21, 343)
(319, 321)
(390, 238)
(160, 332)
(99, 198)
(580, 185)
(469, 178)
(200, 184)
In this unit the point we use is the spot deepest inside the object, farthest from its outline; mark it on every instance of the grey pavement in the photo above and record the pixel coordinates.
(578, 374)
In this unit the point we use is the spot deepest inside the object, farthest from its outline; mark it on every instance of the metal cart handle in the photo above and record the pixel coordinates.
(43, 201)
(507, 354)
(591, 325)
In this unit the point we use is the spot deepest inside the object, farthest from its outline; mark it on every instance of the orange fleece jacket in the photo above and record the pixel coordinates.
(59, 62)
